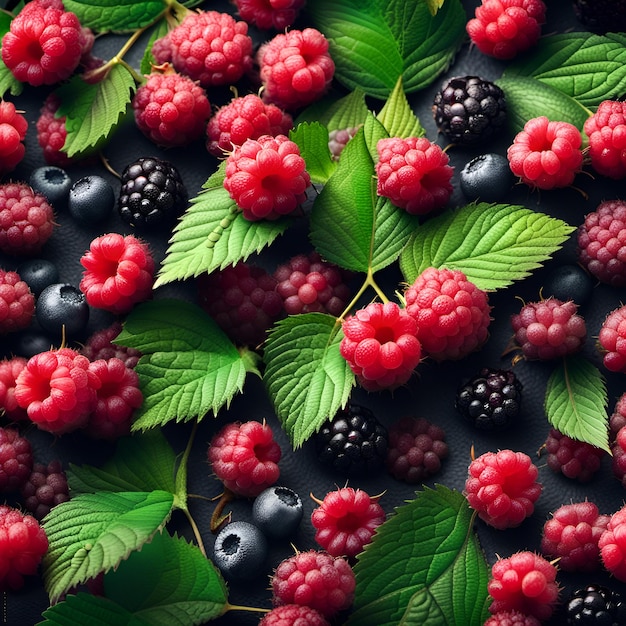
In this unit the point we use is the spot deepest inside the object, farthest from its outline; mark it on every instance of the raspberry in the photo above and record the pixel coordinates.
(119, 273)
(244, 117)
(511, 618)
(338, 139)
(295, 68)
(9, 371)
(23, 543)
(546, 154)
(601, 16)
(17, 303)
(618, 418)
(612, 340)
(16, 460)
(345, 521)
(211, 48)
(416, 449)
(575, 459)
(162, 50)
(293, 615)
(51, 133)
(549, 329)
(171, 109)
(45, 488)
(314, 579)
(381, 346)
(413, 173)
(502, 487)
(307, 284)
(100, 346)
(606, 130)
(612, 545)
(269, 14)
(595, 604)
(26, 220)
(452, 313)
(601, 243)
(13, 127)
(504, 28)
(266, 177)
(618, 461)
(245, 457)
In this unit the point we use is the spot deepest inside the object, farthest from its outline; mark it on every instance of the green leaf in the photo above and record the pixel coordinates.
(306, 377)
(493, 244)
(93, 532)
(312, 139)
(424, 566)
(576, 401)
(147, 60)
(188, 365)
(112, 15)
(335, 113)
(397, 116)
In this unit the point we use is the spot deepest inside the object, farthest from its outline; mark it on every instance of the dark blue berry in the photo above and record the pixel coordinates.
(53, 183)
(569, 282)
(61, 305)
(240, 551)
(91, 199)
(487, 178)
(38, 274)
(30, 343)
(277, 511)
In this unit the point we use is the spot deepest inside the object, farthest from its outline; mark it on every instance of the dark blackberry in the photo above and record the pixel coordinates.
(596, 605)
(353, 442)
(152, 191)
(490, 400)
(469, 109)
(601, 16)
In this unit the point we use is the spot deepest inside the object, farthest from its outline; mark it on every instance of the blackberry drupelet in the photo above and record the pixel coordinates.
(595, 605)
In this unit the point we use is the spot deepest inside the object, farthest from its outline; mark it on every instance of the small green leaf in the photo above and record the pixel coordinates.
(493, 244)
(312, 139)
(434, 5)
(306, 377)
(112, 15)
(147, 60)
(397, 116)
(335, 113)
(576, 401)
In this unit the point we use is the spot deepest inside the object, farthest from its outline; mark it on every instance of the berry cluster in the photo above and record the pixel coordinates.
(575, 459)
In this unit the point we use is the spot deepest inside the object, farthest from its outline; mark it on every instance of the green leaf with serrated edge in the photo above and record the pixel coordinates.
(397, 116)
(336, 113)
(423, 566)
(147, 60)
(493, 244)
(93, 532)
(576, 401)
(312, 139)
(306, 377)
(112, 15)
(169, 583)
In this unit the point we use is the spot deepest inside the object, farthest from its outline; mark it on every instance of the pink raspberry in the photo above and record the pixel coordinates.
(9, 371)
(51, 133)
(618, 460)
(162, 50)
(546, 154)
(269, 14)
(606, 130)
(293, 615)
(16, 460)
(100, 346)
(502, 487)
(451, 312)
(17, 303)
(266, 177)
(119, 273)
(295, 68)
(381, 346)
(13, 127)
(413, 173)
(504, 28)
(575, 459)
(612, 340)
(512, 618)
(45, 488)
(612, 545)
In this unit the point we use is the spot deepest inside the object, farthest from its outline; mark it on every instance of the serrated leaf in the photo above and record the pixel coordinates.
(306, 377)
(335, 113)
(493, 244)
(424, 566)
(397, 115)
(576, 401)
(312, 139)
(93, 532)
(112, 15)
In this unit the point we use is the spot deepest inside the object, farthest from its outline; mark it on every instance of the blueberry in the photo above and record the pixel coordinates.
(53, 183)
(61, 305)
(38, 274)
(277, 511)
(487, 178)
(91, 199)
(240, 551)
(569, 282)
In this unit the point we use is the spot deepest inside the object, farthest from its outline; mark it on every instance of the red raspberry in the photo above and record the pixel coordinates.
(524, 582)
(268, 14)
(17, 303)
(414, 174)
(266, 177)
(575, 459)
(119, 273)
(612, 545)
(504, 28)
(244, 117)
(618, 418)
(293, 615)
(9, 371)
(295, 68)
(315, 579)
(46, 487)
(16, 460)
(51, 133)
(171, 109)
(211, 47)
(13, 127)
(512, 618)
(606, 130)
(618, 460)
(452, 313)
(612, 340)
(23, 542)
(26, 220)
(502, 487)
(381, 346)
(100, 346)
(345, 521)
(245, 457)
(162, 50)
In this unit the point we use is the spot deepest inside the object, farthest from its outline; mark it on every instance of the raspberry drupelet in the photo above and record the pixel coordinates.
(606, 130)
(13, 127)
(293, 615)
(612, 340)
(612, 544)
(269, 14)
(10, 369)
(511, 618)
(17, 303)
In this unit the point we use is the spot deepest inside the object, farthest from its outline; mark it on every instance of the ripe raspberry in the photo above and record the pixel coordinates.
(26, 220)
(524, 582)
(266, 177)
(502, 487)
(338, 139)
(381, 346)
(595, 604)
(416, 449)
(413, 173)
(162, 50)
(306, 284)
(345, 521)
(211, 48)
(618, 460)
(512, 618)
(612, 545)
(17, 303)
(293, 615)
(245, 457)
(119, 273)
(606, 130)
(51, 133)
(23, 542)
(295, 68)
(575, 459)
(549, 329)
(546, 154)
(9, 371)
(315, 579)
(452, 313)
(16, 460)
(171, 109)
(13, 127)
(46, 487)
(612, 340)
(618, 418)
(100, 346)
(504, 28)
(269, 14)
(244, 117)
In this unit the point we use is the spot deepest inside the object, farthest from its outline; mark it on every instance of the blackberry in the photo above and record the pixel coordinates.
(353, 441)
(469, 109)
(491, 400)
(601, 16)
(152, 191)
(595, 605)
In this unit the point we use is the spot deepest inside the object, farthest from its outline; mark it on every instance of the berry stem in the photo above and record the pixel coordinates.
(368, 282)
(253, 609)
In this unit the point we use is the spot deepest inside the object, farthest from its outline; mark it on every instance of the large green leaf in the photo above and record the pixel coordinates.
(397, 116)
(312, 139)
(113, 15)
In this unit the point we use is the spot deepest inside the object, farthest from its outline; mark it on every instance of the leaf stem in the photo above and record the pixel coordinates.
(253, 609)
(196, 530)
